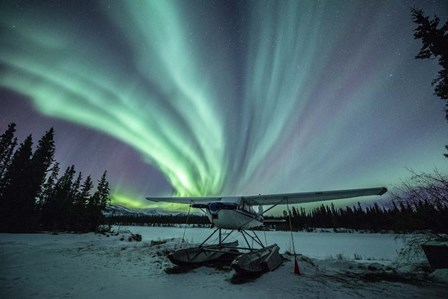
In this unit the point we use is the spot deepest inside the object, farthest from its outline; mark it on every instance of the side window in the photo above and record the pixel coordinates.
(247, 208)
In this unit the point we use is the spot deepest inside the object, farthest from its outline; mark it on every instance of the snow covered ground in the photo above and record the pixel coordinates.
(334, 265)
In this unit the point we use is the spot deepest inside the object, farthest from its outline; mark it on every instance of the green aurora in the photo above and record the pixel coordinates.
(238, 97)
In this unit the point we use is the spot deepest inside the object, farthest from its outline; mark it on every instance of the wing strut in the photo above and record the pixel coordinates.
(296, 264)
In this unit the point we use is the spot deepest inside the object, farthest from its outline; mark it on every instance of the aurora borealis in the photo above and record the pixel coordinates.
(224, 97)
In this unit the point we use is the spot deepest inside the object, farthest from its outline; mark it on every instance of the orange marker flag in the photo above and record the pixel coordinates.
(296, 267)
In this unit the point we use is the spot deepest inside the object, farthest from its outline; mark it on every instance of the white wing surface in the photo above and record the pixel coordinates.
(185, 200)
(305, 197)
(274, 199)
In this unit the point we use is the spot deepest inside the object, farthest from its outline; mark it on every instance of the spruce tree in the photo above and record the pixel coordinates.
(98, 202)
(7, 159)
(86, 188)
(434, 45)
(41, 163)
(47, 200)
(104, 191)
(59, 213)
(81, 205)
(49, 185)
(75, 211)
(75, 189)
(16, 207)
(7, 144)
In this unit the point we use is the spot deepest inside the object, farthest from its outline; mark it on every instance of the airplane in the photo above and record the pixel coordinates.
(237, 213)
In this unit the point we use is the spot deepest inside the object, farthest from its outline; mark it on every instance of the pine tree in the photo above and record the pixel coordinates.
(85, 195)
(435, 45)
(81, 206)
(49, 185)
(74, 216)
(7, 159)
(16, 208)
(59, 213)
(75, 191)
(98, 202)
(104, 191)
(41, 163)
(7, 144)
(47, 200)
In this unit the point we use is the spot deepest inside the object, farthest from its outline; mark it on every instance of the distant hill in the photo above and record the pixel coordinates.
(118, 210)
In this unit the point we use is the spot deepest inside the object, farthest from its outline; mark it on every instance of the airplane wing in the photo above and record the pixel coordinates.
(185, 200)
(273, 199)
(304, 197)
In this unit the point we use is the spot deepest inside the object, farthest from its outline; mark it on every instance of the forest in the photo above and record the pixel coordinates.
(401, 217)
(35, 197)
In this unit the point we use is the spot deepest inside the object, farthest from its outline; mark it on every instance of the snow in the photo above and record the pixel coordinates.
(438, 243)
(440, 275)
(336, 265)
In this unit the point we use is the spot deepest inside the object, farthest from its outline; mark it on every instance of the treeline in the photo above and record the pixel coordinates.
(418, 203)
(33, 196)
(160, 220)
(401, 217)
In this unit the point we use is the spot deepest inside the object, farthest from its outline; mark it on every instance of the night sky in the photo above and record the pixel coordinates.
(224, 97)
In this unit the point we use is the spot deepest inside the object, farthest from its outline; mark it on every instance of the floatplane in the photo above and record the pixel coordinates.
(237, 214)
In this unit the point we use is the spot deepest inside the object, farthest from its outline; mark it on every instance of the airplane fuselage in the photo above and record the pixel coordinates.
(234, 219)
(233, 214)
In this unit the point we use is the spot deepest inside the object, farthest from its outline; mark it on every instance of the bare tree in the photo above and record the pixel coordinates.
(423, 187)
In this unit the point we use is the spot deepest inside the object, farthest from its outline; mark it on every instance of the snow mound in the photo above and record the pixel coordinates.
(440, 275)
